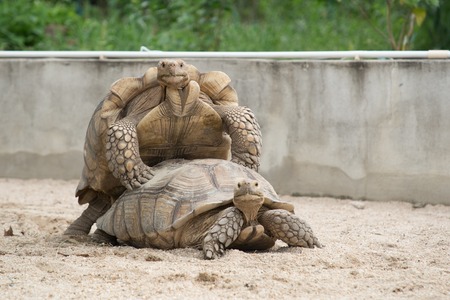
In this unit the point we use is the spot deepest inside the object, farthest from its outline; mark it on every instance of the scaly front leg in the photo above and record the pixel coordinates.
(223, 233)
(245, 133)
(122, 154)
(289, 228)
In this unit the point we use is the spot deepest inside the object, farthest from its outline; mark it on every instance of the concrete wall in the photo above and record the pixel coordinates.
(363, 129)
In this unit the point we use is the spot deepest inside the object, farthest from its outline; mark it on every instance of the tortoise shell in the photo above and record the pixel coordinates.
(134, 98)
(179, 191)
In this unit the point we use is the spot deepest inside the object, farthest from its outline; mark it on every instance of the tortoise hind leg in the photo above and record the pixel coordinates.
(222, 233)
(97, 207)
(289, 228)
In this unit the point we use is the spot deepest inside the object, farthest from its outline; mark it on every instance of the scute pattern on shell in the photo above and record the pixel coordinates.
(179, 191)
(116, 160)
(133, 98)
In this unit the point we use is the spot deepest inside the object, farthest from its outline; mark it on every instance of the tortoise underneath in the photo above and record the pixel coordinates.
(210, 204)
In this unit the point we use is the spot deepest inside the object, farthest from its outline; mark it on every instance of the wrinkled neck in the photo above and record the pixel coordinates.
(182, 100)
(249, 205)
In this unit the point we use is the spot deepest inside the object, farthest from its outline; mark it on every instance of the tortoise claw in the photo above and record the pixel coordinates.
(146, 174)
(134, 179)
(127, 185)
(214, 250)
(135, 184)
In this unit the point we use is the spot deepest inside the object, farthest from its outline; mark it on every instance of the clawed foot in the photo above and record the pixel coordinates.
(224, 232)
(213, 249)
(140, 174)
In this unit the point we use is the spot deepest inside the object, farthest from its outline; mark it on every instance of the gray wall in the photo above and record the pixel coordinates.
(363, 129)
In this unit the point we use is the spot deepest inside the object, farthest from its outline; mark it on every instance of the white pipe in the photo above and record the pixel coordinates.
(433, 54)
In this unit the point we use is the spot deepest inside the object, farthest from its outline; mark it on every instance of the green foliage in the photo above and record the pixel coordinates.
(224, 25)
(397, 21)
(196, 26)
(35, 24)
(410, 13)
(435, 34)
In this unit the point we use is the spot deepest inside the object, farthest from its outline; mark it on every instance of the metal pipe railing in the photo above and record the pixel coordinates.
(145, 53)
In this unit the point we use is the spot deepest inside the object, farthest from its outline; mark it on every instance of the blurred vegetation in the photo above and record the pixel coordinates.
(224, 25)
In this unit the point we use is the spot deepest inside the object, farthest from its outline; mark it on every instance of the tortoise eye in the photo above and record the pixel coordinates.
(256, 184)
(181, 65)
(163, 64)
(239, 185)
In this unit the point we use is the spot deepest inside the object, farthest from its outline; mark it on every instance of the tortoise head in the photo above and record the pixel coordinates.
(173, 73)
(248, 198)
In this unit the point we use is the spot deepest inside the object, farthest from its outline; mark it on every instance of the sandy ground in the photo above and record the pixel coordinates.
(373, 250)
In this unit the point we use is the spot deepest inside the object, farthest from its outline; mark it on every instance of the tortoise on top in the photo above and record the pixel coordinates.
(172, 111)
(211, 204)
